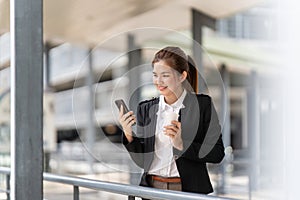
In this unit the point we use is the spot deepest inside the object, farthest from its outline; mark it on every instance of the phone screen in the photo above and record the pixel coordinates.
(120, 102)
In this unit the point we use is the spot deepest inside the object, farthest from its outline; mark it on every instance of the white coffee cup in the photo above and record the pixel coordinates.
(169, 116)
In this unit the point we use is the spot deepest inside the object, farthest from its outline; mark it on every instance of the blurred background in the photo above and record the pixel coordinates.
(96, 51)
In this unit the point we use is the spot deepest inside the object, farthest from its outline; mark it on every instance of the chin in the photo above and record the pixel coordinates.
(165, 93)
(161, 92)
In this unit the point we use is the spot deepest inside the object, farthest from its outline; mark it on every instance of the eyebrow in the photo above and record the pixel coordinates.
(163, 73)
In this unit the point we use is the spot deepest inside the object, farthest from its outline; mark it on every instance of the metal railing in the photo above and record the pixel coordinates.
(6, 172)
(129, 190)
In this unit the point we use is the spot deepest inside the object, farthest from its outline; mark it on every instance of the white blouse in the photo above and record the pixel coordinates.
(163, 163)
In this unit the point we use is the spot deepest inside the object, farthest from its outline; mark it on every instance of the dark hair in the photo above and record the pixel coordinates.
(178, 60)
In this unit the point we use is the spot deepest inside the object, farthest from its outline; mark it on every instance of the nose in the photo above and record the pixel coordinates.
(159, 80)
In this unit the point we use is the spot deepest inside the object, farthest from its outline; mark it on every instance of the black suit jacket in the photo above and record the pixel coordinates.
(201, 135)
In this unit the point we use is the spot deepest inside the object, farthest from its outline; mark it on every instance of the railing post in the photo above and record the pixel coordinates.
(8, 186)
(76, 192)
(131, 197)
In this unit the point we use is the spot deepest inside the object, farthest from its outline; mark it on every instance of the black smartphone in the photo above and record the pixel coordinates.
(120, 102)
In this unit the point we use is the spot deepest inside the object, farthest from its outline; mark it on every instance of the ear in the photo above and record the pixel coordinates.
(183, 76)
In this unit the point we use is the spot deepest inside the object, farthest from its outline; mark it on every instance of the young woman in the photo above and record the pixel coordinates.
(174, 156)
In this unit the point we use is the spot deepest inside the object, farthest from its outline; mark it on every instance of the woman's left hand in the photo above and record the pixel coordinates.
(174, 132)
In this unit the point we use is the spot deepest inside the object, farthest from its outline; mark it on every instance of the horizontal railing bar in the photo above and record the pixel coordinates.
(5, 191)
(129, 190)
(4, 170)
(124, 189)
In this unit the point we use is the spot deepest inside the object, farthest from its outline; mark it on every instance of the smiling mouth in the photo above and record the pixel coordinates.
(161, 88)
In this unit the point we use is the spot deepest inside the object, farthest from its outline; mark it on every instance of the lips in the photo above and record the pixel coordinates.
(161, 88)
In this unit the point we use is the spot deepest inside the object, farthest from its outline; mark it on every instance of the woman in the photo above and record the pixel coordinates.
(174, 156)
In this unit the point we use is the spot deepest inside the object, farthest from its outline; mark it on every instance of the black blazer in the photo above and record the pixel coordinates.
(201, 135)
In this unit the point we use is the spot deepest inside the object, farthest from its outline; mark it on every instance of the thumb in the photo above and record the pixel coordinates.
(179, 125)
(121, 111)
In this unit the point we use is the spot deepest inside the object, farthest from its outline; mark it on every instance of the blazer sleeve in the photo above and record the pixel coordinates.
(136, 147)
(211, 148)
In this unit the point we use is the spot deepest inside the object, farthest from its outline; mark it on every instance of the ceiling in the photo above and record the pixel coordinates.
(91, 22)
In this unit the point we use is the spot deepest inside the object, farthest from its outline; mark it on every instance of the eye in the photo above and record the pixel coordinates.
(154, 75)
(166, 76)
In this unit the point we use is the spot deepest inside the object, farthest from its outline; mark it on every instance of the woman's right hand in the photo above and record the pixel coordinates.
(127, 120)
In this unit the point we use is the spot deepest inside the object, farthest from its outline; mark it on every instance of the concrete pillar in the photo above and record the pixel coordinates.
(91, 108)
(200, 20)
(225, 98)
(226, 133)
(253, 129)
(47, 69)
(134, 60)
(26, 27)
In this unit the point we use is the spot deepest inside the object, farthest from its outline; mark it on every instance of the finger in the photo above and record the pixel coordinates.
(132, 122)
(176, 123)
(170, 132)
(171, 135)
(126, 115)
(121, 112)
(129, 120)
(134, 117)
(173, 128)
(125, 120)
(131, 117)
(179, 125)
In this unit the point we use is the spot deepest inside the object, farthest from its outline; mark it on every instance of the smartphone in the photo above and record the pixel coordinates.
(120, 102)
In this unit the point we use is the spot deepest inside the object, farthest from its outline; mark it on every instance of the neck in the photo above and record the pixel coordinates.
(172, 98)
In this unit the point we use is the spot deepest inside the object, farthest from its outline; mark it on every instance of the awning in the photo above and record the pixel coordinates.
(92, 21)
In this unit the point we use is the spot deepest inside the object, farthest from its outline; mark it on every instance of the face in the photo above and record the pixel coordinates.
(167, 80)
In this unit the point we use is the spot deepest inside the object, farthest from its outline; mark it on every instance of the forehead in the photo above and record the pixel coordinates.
(161, 67)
